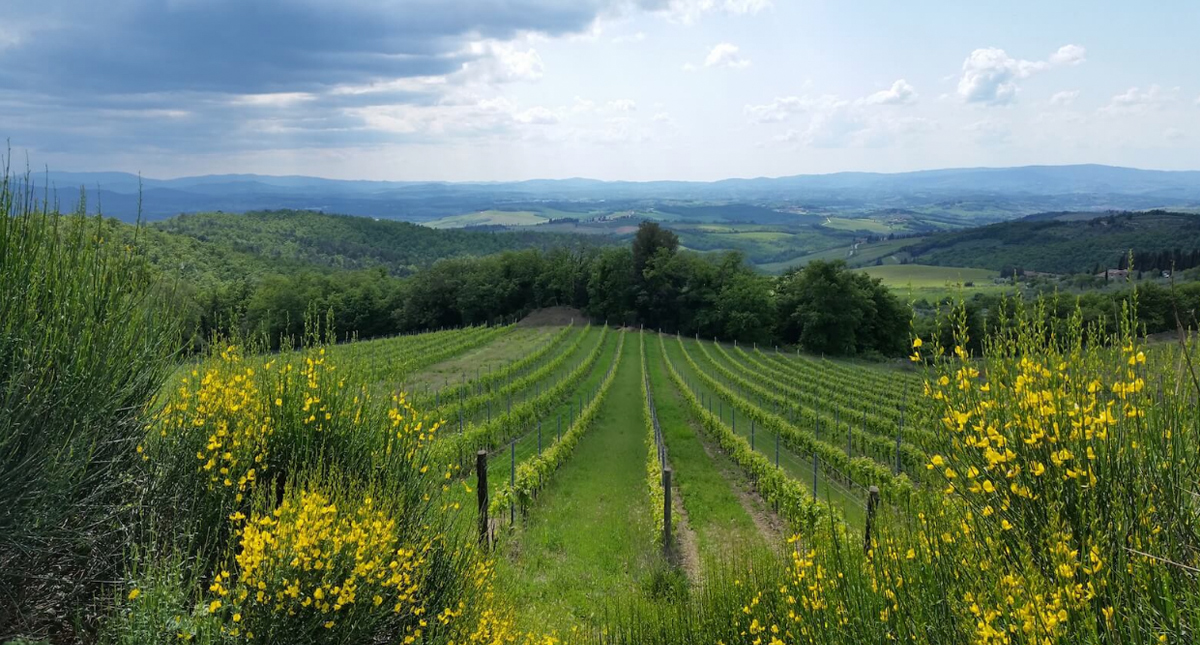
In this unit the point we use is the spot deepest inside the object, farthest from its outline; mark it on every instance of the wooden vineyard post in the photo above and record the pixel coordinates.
(872, 505)
(481, 486)
(777, 448)
(816, 469)
(666, 482)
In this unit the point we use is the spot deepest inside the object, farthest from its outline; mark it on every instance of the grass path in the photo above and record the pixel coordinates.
(714, 507)
(588, 538)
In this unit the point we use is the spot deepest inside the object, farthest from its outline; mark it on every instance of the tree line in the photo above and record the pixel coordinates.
(823, 307)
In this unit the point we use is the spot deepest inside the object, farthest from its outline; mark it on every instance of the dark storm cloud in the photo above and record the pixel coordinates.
(82, 75)
(251, 46)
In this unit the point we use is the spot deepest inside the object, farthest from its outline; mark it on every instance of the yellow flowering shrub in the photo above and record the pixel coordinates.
(311, 565)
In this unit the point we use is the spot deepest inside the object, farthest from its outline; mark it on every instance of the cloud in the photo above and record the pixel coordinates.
(781, 109)
(990, 75)
(834, 122)
(210, 75)
(901, 93)
(989, 132)
(629, 38)
(1068, 56)
(622, 105)
(690, 11)
(583, 105)
(538, 116)
(662, 117)
(1135, 100)
(727, 56)
(1066, 97)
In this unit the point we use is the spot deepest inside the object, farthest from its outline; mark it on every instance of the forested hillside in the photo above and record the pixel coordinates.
(347, 242)
(1069, 243)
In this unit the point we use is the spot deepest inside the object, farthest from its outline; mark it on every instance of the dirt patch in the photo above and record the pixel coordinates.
(553, 317)
(687, 556)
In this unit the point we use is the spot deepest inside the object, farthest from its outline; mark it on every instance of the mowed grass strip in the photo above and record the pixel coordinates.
(715, 510)
(588, 541)
(480, 360)
(561, 418)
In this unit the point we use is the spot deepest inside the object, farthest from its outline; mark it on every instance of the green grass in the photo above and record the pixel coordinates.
(500, 463)
(714, 510)
(921, 276)
(936, 283)
(860, 224)
(489, 218)
(588, 539)
(481, 359)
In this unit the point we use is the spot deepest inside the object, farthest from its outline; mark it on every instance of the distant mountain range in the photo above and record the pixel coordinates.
(1020, 191)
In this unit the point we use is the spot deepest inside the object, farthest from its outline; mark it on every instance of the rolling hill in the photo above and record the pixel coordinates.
(1061, 242)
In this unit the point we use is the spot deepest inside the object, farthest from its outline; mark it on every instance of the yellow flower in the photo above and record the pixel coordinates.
(133, 595)
(214, 606)
(917, 343)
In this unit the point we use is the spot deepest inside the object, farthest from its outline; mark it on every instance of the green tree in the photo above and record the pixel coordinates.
(827, 308)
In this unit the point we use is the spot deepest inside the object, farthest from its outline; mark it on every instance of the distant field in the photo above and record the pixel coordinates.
(923, 276)
(934, 283)
(864, 255)
(492, 218)
(860, 224)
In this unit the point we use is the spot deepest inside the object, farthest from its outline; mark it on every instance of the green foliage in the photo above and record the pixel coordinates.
(534, 473)
(1062, 244)
(826, 308)
(794, 502)
(85, 341)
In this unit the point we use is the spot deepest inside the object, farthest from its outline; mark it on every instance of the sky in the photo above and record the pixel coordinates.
(495, 90)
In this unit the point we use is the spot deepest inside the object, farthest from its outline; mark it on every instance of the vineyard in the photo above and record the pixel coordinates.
(585, 483)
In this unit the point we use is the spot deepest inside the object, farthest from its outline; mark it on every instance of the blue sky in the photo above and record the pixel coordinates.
(610, 89)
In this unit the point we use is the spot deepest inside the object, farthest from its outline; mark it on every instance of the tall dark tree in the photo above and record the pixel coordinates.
(649, 240)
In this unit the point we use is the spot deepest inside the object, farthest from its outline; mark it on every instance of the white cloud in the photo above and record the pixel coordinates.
(778, 110)
(583, 105)
(1136, 99)
(901, 93)
(1066, 97)
(726, 55)
(989, 132)
(834, 122)
(689, 11)
(1174, 135)
(1068, 56)
(622, 105)
(277, 99)
(629, 38)
(990, 75)
(503, 62)
(538, 116)
(662, 117)
(1198, 100)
